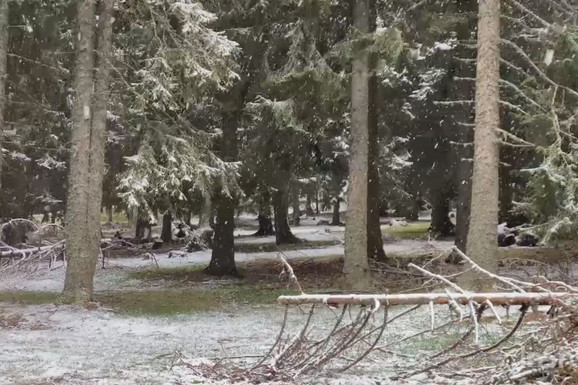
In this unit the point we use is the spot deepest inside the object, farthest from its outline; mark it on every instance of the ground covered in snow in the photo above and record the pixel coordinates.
(49, 344)
(154, 310)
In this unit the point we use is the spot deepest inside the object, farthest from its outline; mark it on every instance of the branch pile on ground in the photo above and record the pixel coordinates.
(479, 337)
(25, 246)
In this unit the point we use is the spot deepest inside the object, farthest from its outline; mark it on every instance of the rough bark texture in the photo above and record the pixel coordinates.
(482, 234)
(357, 243)
(3, 61)
(283, 234)
(87, 156)
(223, 255)
(166, 231)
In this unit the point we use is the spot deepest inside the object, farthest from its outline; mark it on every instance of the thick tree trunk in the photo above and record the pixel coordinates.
(482, 235)
(441, 225)
(336, 217)
(358, 218)
(109, 213)
(167, 230)
(283, 234)
(3, 74)
(223, 255)
(89, 118)
(264, 218)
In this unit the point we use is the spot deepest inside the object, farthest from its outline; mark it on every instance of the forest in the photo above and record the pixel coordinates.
(290, 191)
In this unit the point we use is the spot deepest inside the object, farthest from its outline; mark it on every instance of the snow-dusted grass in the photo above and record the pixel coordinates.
(413, 230)
(65, 345)
(162, 302)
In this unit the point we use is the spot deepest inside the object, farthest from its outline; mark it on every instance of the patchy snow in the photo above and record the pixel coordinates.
(114, 276)
(62, 344)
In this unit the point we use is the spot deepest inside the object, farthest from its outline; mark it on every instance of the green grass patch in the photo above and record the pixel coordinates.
(163, 302)
(182, 273)
(174, 302)
(271, 246)
(414, 230)
(117, 217)
(29, 297)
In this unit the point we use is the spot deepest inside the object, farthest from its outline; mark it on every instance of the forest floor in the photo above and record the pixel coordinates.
(152, 309)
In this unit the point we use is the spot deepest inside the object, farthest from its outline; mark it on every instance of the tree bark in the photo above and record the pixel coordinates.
(3, 73)
(283, 234)
(223, 255)
(358, 219)
(264, 218)
(482, 235)
(167, 230)
(441, 225)
(89, 118)
(426, 298)
(109, 213)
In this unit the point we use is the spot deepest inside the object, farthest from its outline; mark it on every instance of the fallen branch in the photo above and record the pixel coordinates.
(426, 298)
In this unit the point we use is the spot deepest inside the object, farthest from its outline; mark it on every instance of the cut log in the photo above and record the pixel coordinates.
(426, 298)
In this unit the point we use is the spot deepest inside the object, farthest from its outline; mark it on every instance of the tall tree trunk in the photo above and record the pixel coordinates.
(441, 225)
(3, 73)
(336, 218)
(482, 235)
(283, 234)
(89, 118)
(264, 218)
(358, 218)
(223, 254)
(109, 213)
(167, 229)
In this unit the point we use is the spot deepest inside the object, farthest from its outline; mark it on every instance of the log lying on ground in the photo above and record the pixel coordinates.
(426, 298)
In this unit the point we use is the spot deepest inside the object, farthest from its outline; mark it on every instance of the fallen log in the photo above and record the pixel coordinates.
(543, 298)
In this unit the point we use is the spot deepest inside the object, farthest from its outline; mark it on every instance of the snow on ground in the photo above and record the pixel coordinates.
(114, 276)
(66, 345)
